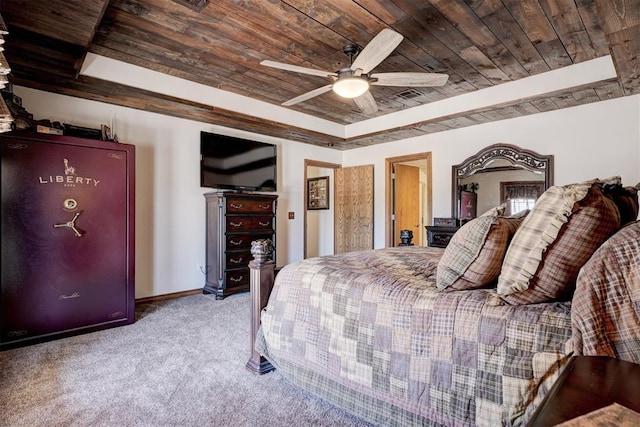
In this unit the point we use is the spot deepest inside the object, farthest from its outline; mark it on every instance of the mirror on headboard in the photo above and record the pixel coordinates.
(497, 174)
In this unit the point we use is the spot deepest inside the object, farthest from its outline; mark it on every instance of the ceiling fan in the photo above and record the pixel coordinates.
(354, 81)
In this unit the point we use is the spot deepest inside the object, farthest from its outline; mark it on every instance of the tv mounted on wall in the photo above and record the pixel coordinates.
(232, 163)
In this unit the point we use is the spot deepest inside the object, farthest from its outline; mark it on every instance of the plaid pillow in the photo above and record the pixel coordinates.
(605, 310)
(474, 254)
(626, 199)
(556, 239)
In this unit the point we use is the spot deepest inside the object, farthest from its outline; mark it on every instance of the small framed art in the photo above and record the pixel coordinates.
(318, 193)
(468, 205)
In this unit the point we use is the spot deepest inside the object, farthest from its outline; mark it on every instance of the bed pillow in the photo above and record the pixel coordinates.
(605, 310)
(474, 254)
(626, 199)
(566, 225)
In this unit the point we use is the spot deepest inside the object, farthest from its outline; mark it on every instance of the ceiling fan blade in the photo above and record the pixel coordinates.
(366, 103)
(409, 79)
(297, 69)
(377, 50)
(307, 95)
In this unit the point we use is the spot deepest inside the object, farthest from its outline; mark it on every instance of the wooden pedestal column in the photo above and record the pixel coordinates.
(261, 282)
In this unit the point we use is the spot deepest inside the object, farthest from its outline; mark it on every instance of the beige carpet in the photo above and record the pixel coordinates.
(181, 364)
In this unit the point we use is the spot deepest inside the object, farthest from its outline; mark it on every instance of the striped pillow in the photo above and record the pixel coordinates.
(474, 254)
(566, 225)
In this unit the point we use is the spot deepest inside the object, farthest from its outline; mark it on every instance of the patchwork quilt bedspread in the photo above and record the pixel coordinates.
(369, 331)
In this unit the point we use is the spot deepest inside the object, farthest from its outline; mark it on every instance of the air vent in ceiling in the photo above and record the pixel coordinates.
(196, 5)
(408, 94)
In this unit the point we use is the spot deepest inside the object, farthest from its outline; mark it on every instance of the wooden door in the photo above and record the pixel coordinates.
(407, 203)
(353, 209)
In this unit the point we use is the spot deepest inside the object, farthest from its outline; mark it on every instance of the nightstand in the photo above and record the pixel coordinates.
(589, 383)
(438, 237)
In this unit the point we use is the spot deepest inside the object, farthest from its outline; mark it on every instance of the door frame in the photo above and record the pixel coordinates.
(389, 163)
(318, 164)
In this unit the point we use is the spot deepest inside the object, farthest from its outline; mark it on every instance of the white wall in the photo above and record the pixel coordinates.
(170, 208)
(320, 222)
(595, 140)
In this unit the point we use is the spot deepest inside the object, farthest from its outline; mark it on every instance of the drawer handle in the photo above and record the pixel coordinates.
(236, 224)
(235, 260)
(264, 224)
(265, 207)
(234, 206)
(235, 242)
(236, 279)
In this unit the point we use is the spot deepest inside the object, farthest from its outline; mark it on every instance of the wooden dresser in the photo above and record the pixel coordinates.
(438, 237)
(234, 220)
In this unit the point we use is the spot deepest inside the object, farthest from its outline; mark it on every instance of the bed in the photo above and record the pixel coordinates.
(400, 336)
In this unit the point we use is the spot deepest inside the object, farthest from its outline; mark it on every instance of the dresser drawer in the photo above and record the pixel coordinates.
(242, 205)
(237, 259)
(243, 241)
(234, 278)
(249, 223)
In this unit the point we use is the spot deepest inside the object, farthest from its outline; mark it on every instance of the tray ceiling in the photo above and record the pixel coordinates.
(519, 49)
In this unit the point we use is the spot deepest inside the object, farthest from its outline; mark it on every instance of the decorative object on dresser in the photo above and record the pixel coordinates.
(67, 236)
(468, 205)
(405, 238)
(233, 221)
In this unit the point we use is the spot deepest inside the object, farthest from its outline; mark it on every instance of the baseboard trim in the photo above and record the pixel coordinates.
(165, 297)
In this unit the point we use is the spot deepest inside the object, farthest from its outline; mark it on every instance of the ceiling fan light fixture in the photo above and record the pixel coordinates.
(350, 87)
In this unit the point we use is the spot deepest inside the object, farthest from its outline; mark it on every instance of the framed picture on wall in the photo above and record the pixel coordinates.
(468, 205)
(318, 193)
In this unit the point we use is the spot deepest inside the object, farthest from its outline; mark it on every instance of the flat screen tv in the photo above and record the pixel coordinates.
(232, 163)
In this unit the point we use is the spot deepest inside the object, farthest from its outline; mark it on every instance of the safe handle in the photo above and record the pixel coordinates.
(71, 224)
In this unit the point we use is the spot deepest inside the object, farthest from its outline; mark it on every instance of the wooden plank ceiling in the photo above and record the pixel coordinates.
(479, 43)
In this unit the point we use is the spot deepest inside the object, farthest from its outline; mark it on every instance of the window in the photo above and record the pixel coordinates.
(520, 195)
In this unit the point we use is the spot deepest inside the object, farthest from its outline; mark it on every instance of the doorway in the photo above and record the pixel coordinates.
(408, 203)
(318, 224)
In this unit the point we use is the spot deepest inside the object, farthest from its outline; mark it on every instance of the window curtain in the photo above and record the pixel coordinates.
(522, 192)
